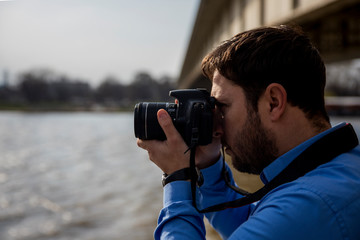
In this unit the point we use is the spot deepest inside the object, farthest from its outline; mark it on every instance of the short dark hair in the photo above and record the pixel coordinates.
(283, 54)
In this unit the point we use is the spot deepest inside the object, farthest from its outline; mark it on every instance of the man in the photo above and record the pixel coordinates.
(269, 85)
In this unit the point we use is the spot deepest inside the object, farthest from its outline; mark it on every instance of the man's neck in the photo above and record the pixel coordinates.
(296, 128)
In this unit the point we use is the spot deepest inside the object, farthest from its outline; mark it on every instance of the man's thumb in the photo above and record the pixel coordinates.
(166, 123)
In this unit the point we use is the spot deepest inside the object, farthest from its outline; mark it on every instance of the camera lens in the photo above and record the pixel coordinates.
(146, 125)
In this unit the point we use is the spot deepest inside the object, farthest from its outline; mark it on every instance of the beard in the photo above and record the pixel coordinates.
(255, 147)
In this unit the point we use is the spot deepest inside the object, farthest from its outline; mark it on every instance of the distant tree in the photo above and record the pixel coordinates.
(144, 87)
(60, 90)
(9, 94)
(166, 84)
(81, 89)
(43, 85)
(110, 89)
(34, 87)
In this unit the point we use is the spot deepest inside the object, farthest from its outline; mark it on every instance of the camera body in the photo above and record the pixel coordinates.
(192, 117)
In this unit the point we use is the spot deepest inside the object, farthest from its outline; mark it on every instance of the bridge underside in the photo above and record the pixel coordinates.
(334, 29)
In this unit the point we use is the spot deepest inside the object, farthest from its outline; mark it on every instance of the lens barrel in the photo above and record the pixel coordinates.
(146, 125)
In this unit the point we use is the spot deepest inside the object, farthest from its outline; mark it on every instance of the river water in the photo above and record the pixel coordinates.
(77, 176)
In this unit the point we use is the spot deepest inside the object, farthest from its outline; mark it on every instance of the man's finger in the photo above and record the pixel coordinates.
(167, 124)
(141, 143)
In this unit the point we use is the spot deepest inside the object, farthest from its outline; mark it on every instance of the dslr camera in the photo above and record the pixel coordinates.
(192, 117)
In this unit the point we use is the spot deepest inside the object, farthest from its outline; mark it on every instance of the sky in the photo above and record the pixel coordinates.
(94, 39)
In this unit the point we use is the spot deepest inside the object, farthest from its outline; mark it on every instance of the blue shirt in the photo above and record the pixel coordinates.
(323, 204)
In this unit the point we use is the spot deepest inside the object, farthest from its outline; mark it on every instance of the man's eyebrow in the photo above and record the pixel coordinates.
(221, 98)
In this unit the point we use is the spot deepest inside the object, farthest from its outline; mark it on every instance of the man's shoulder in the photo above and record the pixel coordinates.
(327, 197)
(336, 181)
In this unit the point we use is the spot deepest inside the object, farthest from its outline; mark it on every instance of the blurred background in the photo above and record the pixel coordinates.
(71, 72)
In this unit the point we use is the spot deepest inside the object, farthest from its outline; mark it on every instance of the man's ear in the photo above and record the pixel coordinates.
(276, 97)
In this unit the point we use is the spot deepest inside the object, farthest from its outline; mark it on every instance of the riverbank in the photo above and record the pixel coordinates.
(61, 107)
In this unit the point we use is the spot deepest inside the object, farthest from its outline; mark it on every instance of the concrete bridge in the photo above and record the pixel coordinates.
(333, 25)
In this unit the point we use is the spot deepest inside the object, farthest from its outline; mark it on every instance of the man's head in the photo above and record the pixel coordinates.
(245, 138)
(284, 55)
(269, 83)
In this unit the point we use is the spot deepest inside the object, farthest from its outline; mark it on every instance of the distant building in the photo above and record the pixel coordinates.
(333, 25)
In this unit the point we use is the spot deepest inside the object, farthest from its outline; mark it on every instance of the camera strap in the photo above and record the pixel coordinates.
(322, 151)
(195, 174)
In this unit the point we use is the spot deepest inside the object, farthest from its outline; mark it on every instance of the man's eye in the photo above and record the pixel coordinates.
(221, 107)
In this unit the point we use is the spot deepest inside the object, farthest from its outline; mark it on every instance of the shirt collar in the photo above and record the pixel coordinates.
(271, 171)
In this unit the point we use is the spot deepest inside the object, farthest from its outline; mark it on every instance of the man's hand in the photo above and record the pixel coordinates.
(169, 155)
